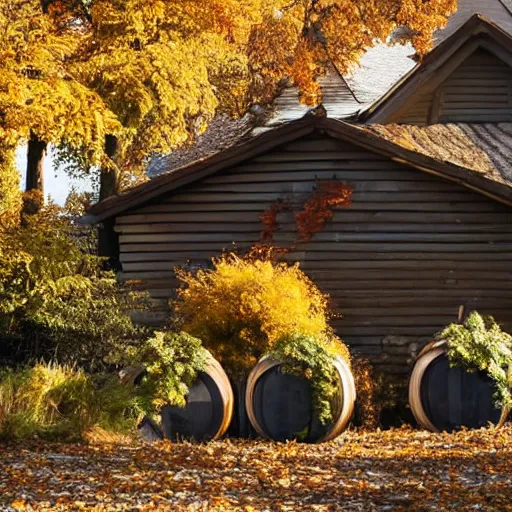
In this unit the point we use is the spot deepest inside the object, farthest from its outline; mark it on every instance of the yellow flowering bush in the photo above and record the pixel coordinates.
(242, 306)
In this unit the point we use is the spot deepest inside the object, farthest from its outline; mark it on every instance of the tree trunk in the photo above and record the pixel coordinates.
(109, 177)
(35, 160)
(108, 239)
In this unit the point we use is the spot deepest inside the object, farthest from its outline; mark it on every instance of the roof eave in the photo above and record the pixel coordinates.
(358, 135)
(198, 169)
(468, 178)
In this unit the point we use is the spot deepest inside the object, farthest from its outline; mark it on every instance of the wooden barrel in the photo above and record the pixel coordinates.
(209, 407)
(280, 406)
(443, 398)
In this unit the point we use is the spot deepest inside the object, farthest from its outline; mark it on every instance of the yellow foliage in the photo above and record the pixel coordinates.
(335, 346)
(154, 72)
(10, 194)
(241, 307)
(165, 68)
(38, 92)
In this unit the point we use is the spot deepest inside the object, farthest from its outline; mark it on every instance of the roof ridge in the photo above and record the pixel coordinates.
(340, 74)
(507, 4)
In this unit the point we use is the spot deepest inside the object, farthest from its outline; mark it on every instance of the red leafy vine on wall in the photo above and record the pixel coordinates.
(316, 211)
(269, 219)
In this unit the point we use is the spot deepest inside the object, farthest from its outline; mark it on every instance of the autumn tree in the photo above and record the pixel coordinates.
(116, 81)
(314, 33)
(10, 194)
(40, 100)
(152, 62)
(165, 68)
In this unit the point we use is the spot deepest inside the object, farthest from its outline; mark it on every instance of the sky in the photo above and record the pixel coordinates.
(57, 183)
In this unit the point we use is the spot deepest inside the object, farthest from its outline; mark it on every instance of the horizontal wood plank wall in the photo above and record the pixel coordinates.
(418, 112)
(397, 263)
(479, 90)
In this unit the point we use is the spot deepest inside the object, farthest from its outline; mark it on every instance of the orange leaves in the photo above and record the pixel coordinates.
(397, 470)
(318, 208)
(422, 17)
(269, 219)
(19, 504)
(309, 63)
(316, 212)
(270, 50)
(340, 31)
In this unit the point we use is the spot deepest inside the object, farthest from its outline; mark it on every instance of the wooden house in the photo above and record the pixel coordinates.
(430, 223)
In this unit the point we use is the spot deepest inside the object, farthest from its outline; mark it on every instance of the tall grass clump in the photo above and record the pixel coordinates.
(52, 401)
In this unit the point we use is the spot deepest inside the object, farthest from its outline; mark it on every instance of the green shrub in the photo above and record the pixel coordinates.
(311, 359)
(85, 325)
(480, 344)
(171, 362)
(56, 301)
(52, 401)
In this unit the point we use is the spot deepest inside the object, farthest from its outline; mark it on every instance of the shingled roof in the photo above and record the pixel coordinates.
(482, 148)
(497, 11)
(475, 32)
(406, 145)
(222, 133)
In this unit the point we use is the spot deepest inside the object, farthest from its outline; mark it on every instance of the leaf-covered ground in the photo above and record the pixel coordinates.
(395, 470)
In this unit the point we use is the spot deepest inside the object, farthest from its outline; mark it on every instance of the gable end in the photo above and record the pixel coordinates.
(478, 51)
(478, 90)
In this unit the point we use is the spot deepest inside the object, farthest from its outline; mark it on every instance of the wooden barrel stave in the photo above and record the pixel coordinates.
(446, 398)
(279, 405)
(209, 407)
(349, 400)
(215, 370)
(201, 418)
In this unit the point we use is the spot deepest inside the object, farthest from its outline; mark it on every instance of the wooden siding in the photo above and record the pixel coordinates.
(418, 112)
(397, 263)
(479, 90)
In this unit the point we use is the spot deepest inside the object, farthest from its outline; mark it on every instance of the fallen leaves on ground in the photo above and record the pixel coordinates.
(401, 469)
